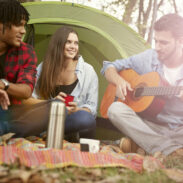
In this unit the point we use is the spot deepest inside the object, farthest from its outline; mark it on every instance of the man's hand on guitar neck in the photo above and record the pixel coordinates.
(121, 88)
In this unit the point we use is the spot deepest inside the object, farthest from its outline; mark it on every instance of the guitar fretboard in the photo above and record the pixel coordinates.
(158, 91)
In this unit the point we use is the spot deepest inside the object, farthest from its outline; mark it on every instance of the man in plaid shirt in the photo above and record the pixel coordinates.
(17, 68)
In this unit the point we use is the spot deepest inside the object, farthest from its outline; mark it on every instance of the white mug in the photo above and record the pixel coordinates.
(94, 145)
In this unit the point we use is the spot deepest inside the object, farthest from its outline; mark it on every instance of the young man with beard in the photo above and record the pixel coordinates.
(164, 131)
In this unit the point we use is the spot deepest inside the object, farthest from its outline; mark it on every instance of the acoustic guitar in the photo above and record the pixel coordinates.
(146, 99)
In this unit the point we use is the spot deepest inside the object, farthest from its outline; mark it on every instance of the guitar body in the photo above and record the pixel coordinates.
(146, 106)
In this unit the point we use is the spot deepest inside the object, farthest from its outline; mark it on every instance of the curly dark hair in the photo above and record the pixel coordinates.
(12, 12)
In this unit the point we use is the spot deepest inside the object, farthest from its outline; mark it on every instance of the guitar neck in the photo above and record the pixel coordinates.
(158, 91)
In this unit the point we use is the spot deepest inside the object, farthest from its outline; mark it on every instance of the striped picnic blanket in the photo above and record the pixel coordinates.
(34, 155)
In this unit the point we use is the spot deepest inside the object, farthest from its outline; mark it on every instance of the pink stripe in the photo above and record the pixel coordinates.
(55, 158)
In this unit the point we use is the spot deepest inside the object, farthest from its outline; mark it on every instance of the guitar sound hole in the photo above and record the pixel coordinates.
(138, 92)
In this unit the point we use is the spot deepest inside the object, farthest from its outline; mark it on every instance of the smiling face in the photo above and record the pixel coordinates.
(12, 36)
(71, 46)
(167, 46)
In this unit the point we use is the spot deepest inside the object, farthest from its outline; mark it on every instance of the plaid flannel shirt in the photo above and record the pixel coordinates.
(20, 67)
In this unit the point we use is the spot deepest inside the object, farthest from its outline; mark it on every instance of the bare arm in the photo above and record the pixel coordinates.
(19, 91)
(112, 76)
(32, 101)
(122, 85)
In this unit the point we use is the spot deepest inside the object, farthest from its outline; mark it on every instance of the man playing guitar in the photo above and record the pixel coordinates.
(164, 131)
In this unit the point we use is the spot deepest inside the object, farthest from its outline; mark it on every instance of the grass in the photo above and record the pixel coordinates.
(117, 175)
(110, 175)
(174, 162)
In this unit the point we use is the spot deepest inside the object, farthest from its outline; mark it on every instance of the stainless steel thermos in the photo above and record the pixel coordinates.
(55, 132)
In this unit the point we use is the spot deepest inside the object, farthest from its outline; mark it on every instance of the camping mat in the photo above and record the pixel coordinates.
(34, 155)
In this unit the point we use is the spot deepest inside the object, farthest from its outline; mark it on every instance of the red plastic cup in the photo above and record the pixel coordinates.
(68, 98)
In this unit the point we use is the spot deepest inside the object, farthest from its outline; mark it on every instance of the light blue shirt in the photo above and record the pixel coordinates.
(145, 62)
(86, 91)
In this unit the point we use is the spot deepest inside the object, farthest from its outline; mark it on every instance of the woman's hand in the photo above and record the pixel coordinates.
(61, 96)
(72, 107)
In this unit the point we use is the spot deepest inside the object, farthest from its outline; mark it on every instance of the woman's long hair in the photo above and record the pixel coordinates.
(53, 62)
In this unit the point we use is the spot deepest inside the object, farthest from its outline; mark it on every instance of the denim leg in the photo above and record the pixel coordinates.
(4, 121)
(79, 121)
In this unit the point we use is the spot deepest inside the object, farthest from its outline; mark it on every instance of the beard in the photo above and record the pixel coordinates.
(164, 57)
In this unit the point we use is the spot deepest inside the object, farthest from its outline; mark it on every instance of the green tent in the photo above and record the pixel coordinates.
(102, 37)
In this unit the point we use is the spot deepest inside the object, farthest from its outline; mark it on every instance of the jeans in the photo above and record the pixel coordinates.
(79, 121)
(4, 118)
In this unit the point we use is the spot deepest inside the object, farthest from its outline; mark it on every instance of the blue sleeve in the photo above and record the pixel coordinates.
(140, 63)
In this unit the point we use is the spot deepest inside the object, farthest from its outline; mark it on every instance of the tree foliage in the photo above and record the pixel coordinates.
(140, 14)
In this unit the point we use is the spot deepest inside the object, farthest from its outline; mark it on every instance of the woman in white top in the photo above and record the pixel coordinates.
(63, 72)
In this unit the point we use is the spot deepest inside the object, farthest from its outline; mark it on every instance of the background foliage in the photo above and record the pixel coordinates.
(139, 14)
